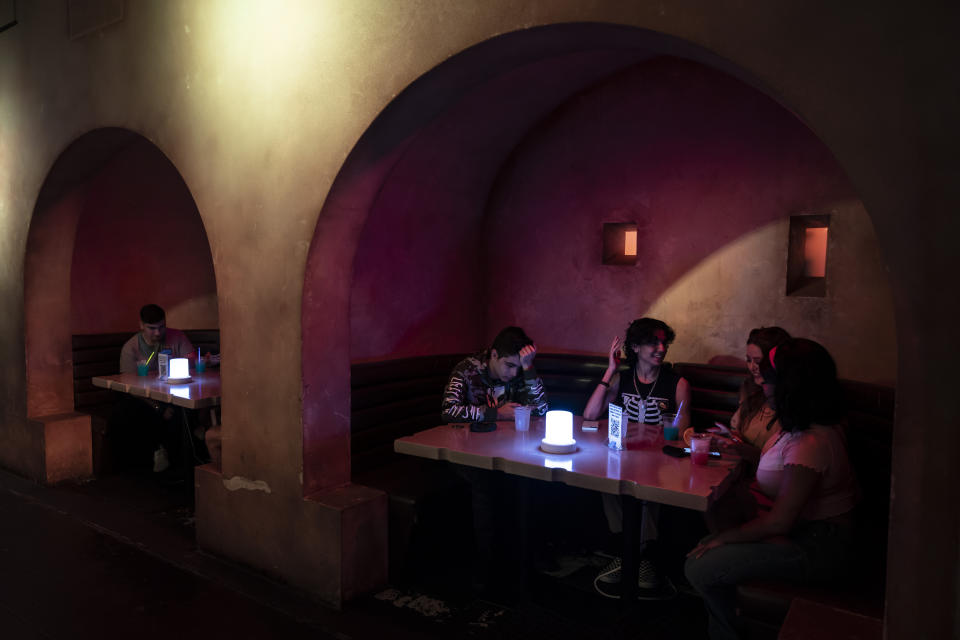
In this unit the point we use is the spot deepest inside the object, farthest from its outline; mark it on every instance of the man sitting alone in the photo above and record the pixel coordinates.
(487, 386)
(152, 339)
(146, 427)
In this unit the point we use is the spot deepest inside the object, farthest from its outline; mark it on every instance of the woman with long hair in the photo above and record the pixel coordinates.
(804, 476)
(754, 421)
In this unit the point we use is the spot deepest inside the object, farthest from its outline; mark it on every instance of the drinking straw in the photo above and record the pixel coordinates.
(680, 408)
(151, 357)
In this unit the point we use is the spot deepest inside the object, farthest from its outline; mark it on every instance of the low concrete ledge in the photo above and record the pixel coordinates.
(332, 543)
(62, 448)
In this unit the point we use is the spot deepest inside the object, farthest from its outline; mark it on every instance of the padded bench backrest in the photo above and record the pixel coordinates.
(394, 398)
(98, 354)
(391, 399)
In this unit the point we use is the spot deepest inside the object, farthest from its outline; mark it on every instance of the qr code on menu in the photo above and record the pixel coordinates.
(615, 429)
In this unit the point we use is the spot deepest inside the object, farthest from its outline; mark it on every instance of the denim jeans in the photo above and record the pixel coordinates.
(815, 551)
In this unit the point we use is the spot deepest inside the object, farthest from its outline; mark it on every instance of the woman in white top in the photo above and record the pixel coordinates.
(805, 487)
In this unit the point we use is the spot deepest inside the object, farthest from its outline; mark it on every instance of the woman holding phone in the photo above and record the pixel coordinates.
(754, 421)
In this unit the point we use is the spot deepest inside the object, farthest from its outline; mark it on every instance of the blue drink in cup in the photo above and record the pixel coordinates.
(142, 367)
(201, 365)
(670, 429)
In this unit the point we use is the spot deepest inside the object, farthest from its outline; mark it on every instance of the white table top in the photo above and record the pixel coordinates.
(644, 472)
(202, 391)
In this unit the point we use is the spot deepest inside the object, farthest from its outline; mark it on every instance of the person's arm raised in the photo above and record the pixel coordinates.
(606, 390)
(534, 393)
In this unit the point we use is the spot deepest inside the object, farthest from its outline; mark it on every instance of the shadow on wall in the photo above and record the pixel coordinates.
(701, 162)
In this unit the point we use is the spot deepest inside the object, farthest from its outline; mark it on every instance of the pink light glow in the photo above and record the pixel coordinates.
(815, 252)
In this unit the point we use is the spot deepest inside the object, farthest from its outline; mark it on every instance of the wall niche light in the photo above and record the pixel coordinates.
(807, 256)
(620, 243)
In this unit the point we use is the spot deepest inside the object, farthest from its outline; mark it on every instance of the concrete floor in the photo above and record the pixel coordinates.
(116, 558)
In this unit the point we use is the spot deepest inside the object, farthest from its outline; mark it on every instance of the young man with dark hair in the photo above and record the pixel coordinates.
(488, 386)
(146, 428)
(153, 338)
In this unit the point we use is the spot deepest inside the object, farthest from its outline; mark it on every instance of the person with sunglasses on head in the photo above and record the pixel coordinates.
(646, 388)
(805, 490)
(754, 421)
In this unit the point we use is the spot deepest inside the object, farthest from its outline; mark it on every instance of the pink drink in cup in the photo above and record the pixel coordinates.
(700, 448)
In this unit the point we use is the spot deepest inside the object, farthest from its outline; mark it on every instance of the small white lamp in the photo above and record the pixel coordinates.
(559, 438)
(179, 369)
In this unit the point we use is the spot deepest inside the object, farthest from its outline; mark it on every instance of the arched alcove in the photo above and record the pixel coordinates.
(476, 200)
(114, 227)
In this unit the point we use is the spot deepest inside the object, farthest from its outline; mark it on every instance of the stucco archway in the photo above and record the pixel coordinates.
(421, 126)
(373, 189)
(114, 227)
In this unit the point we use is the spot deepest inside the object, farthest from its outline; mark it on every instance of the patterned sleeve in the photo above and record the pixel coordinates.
(454, 406)
(536, 394)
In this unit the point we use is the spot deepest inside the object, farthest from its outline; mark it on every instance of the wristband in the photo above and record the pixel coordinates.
(606, 384)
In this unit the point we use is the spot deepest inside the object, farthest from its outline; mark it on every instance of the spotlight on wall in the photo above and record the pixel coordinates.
(620, 243)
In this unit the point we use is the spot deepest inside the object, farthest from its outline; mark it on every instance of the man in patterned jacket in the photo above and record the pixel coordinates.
(488, 386)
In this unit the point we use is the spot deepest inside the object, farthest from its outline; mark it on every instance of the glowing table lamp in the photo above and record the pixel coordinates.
(179, 369)
(559, 438)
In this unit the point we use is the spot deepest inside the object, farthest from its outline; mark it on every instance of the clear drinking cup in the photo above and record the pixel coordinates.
(521, 417)
(700, 448)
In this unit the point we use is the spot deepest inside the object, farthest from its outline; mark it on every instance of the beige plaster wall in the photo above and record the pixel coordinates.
(743, 285)
(257, 105)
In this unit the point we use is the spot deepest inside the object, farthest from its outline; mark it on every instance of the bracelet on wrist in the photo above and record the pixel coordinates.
(604, 383)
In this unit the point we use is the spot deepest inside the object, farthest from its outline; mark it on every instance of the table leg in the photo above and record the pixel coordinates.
(522, 527)
(631, 561)
(189, 456)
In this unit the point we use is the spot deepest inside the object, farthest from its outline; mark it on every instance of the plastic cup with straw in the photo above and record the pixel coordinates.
(144, 366)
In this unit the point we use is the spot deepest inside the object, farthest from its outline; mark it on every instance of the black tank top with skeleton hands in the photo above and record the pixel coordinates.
(655, 398)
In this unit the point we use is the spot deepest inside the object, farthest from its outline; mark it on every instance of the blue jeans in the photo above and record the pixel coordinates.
(815, 551)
